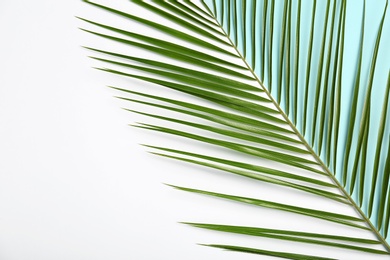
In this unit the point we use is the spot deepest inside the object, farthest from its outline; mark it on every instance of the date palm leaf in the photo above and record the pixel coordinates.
(263, 81)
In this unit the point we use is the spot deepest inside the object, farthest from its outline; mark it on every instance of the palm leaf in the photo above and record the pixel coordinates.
(221, 62)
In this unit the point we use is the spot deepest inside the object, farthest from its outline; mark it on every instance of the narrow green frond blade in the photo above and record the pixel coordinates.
(353, 107)
(228, 17)
(271, 40)
(308, 67)
(363, 135)
(329, 216)
(256, 230)
(253, 35)
(222, 8)
(287, 235)
(296, 64)
(281, 51)
(319, 76)
(263, 39)
(338, 106)
(363, 164)
(288, 61)
(215, 8)
(244, 37)
(384, 191)
(387, 216)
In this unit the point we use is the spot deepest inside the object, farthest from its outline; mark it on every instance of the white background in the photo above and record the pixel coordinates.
(74, 183)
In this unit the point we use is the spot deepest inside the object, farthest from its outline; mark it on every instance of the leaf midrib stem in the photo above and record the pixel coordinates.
(309, 148)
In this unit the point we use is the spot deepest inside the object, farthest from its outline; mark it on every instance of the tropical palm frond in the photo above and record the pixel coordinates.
(252, 85)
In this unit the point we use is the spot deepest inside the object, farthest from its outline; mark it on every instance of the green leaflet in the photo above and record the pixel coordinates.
(329, 216)
(302, 237)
